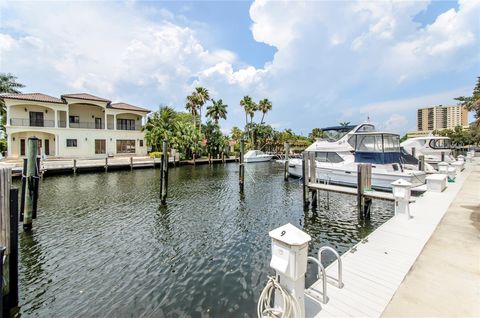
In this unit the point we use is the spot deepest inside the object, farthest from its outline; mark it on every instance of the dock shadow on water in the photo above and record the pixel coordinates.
(102, 245)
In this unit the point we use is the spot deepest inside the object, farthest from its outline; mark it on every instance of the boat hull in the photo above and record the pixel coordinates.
(257, 159)
(347, 176)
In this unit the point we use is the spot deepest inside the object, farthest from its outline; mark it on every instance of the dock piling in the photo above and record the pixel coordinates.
(364, 182)
(106, 164)
(421, 163)
(30, 183)
(285, 172)
(13, 257)
(74, 166)
(164, 173)
(442, 156)
(305, 177)
(131, 163)
(241, 166)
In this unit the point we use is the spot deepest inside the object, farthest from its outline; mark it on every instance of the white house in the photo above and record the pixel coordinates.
(73, 126)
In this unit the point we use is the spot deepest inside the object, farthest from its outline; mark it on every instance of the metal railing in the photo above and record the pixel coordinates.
(88, 125)
(31, 123)
(129, 127)
(321, 271)
(62, 124)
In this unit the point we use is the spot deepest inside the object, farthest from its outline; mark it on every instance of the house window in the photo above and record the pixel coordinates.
(71, 142)
(100, 146)
(74, 119)
(125, 146)
(141, 143)
(125, 124)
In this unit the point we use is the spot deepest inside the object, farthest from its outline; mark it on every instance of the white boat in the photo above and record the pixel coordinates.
(432, 147)
(337, 161)
(256, 156)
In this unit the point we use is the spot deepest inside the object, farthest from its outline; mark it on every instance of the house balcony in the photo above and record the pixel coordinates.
(26, 122)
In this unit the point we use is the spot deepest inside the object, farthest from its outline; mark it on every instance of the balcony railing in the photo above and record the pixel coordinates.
(88, 125)
(63, 124)
(31, 123)
(129, 127)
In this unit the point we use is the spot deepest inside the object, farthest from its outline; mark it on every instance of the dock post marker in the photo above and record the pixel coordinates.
(74, 166)
(131, 163)
(164, 173)
(287, 151)
(31, 174)
(106, 164)
(241, 166)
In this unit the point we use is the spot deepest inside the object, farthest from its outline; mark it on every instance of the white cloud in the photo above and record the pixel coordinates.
(334, 60)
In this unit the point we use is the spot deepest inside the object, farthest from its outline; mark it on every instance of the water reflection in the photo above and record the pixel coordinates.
(103, 245)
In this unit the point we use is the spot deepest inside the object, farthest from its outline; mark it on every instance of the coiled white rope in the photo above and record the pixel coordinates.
(290, 303)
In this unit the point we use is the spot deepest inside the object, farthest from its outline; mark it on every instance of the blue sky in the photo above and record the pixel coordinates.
(318, 62)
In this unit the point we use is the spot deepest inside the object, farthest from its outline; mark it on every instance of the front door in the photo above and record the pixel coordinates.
(22, 147)
(98, 123)
(36, 119)
(100, 146)
(47, 147)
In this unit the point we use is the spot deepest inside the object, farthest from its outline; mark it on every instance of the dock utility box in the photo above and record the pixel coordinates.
(436, 182)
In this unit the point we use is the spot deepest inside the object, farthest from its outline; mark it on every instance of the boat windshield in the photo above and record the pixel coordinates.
(377, 143)
(440, 144)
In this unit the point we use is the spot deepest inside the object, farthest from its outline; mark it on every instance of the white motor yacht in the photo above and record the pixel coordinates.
(337, 161)
(256, 156)
(432, 147)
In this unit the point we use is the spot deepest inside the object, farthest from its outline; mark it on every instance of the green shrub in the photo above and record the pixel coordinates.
(155, 154)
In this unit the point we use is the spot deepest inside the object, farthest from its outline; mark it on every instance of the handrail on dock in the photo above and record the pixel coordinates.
(338, 280)
(321, 269)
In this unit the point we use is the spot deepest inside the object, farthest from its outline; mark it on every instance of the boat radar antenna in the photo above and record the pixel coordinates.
(368, 119)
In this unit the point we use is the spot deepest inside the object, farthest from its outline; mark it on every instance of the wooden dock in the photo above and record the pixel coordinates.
(374, 268)
(353, 191)
(67, 166)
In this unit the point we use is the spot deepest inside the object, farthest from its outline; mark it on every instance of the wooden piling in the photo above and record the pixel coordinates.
(285, 168)
(131, 163)
(164, 173)
(106, 164)
(421, 163)
(5, 185)
(194, 159)
(305, 178)
(442, 156)
(364, 182)
(223, 157)
(13, 257)
(209, 158)
(313, 168)
(74, 166)
(241, 172)
(30, 184)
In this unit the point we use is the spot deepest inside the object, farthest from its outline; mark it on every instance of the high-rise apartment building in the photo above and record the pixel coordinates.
(441, 117)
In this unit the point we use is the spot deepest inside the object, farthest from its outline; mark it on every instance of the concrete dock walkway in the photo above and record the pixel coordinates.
(445, 279)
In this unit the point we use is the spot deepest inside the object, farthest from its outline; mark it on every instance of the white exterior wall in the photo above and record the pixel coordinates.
(58, 136)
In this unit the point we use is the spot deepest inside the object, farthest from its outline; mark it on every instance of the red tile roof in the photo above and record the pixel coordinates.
(34, 97)
(85, 96)
(128, 107)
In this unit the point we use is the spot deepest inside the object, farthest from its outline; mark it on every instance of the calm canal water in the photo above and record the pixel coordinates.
(102, 246)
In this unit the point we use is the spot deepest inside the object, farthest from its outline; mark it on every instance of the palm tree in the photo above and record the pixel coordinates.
(8, 85)
(159, 126)
(247, 104)
(344, 124)
(202, 96)
(217, 110)
(192, 106)
(264, 106)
